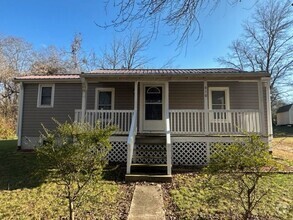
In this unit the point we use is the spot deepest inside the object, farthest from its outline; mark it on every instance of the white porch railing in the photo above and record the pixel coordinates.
(214, 121)
(131, 141)
(119, 118)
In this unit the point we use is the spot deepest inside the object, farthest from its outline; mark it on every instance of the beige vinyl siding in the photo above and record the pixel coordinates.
(124, 94)
(67, 99)
(243, 95)
(186, 95)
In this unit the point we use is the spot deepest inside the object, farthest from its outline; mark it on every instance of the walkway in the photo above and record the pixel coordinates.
(147, 203)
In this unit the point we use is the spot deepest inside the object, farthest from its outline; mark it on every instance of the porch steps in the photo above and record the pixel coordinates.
(149, 150)
(149, 147)
(150, 140)
(147, 178)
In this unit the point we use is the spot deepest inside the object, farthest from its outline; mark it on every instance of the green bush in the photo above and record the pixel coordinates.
(242, 166)
(76, 155)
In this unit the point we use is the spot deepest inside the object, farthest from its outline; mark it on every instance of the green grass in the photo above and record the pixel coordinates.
(26, 193)
(18, 169)
(199, 198)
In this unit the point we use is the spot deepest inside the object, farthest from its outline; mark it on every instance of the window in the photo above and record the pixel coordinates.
(105, 98)
(153, 103)
(46, 96)
(219, 100)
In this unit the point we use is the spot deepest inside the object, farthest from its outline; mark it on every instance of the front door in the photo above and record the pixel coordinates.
(153, 108)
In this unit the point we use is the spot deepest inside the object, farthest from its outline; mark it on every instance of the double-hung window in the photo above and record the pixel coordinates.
(105, 98)
(219, 100)
(46, 96)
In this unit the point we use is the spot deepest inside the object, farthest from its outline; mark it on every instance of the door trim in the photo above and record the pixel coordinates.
(142, 101)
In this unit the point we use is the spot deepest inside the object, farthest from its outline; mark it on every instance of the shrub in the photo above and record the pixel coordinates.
(243, 164)
(76, 155)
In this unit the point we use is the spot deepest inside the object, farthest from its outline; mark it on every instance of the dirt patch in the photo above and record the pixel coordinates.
(125, 202)
(171, 208)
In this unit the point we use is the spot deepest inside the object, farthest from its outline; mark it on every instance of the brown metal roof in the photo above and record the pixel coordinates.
(48, 77)
(222, 72)
(163, 71)
(170, 72)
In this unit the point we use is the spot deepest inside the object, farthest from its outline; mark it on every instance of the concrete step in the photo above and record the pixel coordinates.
(134, 177)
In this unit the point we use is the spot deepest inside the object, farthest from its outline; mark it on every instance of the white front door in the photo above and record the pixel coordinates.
(153, 108)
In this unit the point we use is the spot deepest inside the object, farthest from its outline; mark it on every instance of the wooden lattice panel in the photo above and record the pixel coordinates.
(150, 154)
(189, 153)
(118, 152)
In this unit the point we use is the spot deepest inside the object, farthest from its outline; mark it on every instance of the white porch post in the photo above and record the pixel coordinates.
(168, 131)
(261, 107)
(269, 110)
(135, 95)
(206, 108)
(20, 114)
(84, 99)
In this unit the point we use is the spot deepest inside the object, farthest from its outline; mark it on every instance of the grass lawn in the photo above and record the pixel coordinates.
(282, 145)
(26, 193)
(197, 198)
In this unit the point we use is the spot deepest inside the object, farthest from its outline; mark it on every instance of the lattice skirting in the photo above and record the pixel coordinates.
(189, 153)
(118, 152)
(185, 151)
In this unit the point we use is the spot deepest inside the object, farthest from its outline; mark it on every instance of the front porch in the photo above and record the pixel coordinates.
(189, 134)
(183, 122)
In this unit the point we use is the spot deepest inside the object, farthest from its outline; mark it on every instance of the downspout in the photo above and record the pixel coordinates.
(20, 115)
(84, 99)
(269, 110)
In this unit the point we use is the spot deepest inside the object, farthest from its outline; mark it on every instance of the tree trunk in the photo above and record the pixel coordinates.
(71, 209)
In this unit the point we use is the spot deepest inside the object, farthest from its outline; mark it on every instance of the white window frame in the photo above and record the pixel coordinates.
(39, 102)
(227, 96)
(98, 90)
(227, 103)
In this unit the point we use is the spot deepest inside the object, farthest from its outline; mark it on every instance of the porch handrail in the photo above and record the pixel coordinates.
(131, 141)
(119, 118)
(168, 146)
(235, 121)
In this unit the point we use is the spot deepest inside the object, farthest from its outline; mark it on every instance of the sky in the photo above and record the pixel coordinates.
(54, 22)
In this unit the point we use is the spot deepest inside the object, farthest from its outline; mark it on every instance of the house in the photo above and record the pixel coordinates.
(164, 116)
(285, 115)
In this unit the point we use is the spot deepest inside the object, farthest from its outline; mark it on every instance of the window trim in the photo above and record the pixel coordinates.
(112, 90)
(227, 96)
(39, 102)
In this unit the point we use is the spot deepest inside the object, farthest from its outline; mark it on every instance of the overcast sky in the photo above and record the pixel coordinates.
(54, 22)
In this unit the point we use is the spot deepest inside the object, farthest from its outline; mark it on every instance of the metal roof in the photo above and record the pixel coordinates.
(221, 72)
(284, 108)
(48, 77)
(171, 72)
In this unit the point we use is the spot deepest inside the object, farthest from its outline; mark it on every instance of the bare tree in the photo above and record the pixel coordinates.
(50, 60)
(181, 15)
(127, 53)
(266, 45)
(15, 59)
